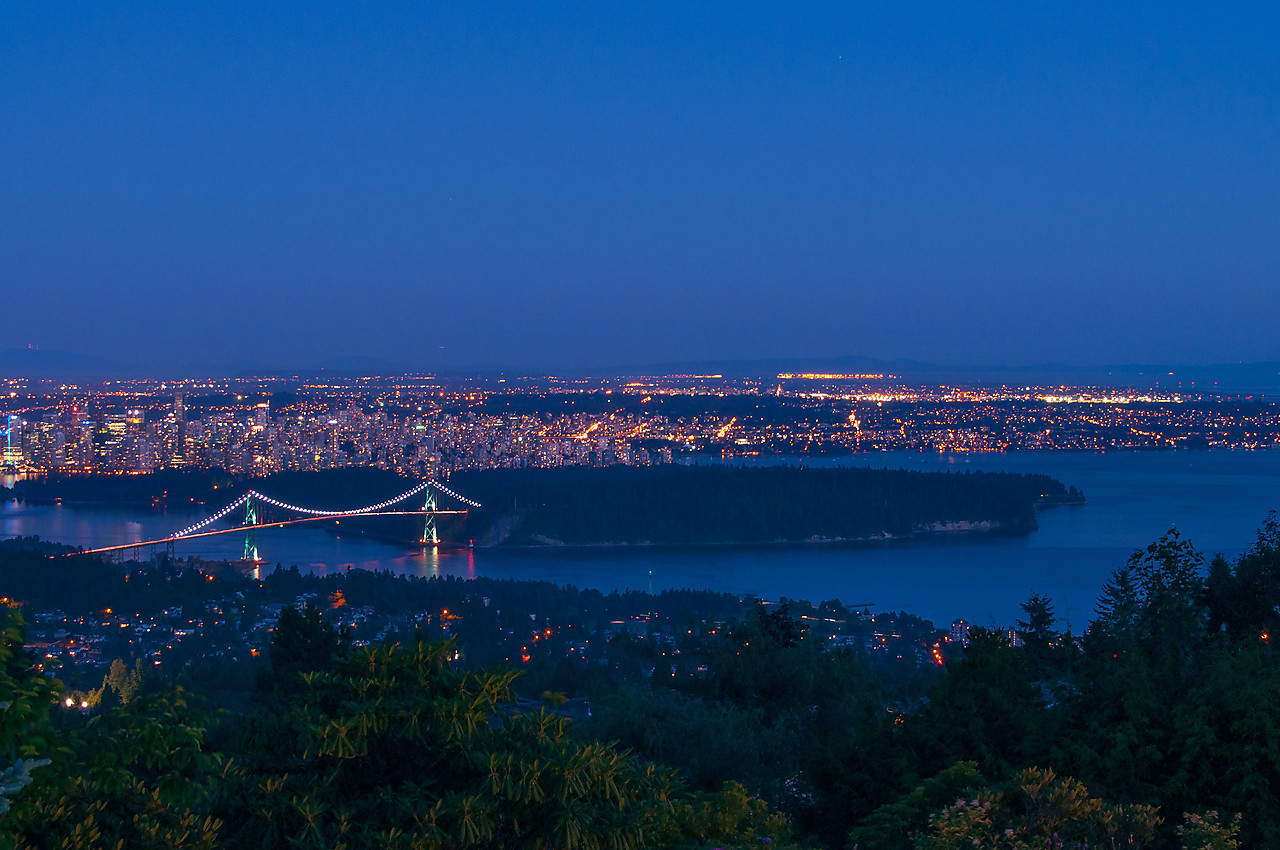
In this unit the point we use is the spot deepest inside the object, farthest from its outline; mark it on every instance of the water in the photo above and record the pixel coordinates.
(1215, 498)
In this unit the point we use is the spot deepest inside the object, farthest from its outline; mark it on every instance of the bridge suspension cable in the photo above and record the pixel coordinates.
(192, 529)
(313, 512)
(443, 489)
(254, 494)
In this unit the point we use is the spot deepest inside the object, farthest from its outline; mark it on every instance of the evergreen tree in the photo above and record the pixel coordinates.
(302, 642)
(987, 710)
(1116, 614)
(1038, 635)
(1248, 602)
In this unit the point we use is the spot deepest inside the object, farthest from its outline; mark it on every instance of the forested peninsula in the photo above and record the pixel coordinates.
(671, 505)
(682, 505)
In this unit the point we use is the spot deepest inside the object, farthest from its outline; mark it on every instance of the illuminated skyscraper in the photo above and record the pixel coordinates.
(12, 445)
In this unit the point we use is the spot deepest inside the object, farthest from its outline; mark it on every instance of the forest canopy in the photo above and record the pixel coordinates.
(677, 504)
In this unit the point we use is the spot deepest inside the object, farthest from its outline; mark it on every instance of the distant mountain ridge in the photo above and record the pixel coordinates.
(1261, 377)
(1255, 377)
(62, 365)
(75, 366)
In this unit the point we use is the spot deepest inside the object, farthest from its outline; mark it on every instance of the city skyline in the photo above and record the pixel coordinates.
(423, 427)
(593, 188)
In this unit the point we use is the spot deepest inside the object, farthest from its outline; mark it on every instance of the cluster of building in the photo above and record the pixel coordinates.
(425, 426)
(255, 442)
(237, 625)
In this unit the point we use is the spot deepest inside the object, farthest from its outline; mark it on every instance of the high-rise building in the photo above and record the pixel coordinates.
(58, 449)
(146, 456)
(12, 445)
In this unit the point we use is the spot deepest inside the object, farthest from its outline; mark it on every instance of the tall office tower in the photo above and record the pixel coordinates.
(59, 449)
(146, 455)
(12, 446)
(179, 411)
(85, 455)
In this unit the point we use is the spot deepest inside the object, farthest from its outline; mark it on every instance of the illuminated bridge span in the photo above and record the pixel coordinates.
(252, 500)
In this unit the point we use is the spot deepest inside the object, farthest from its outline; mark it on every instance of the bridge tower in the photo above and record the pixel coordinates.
(251, 520)
(429, 535)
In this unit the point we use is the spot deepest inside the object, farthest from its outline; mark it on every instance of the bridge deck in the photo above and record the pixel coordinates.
(243, 528)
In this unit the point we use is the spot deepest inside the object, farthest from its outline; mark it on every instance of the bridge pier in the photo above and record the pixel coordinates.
(250, 529)
(429, 535)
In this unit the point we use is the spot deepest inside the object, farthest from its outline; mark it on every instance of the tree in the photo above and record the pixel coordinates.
(394, 748)
(122, 681)
(1038, 809)
(138, 776)
(301, 643)
(1038, 634)
(728, 819)
(27, 740)
(778, 627)
(764, 661)
(1116, 614)
(1168, 577)
(1208, 832)
(1248, 601)
(987, 709)
(895, 825)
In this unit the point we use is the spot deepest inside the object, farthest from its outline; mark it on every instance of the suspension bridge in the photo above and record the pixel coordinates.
(254, 501)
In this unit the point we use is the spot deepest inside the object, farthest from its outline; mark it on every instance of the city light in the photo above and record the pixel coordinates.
(424, 427)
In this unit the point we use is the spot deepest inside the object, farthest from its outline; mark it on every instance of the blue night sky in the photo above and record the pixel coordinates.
(547, 185)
